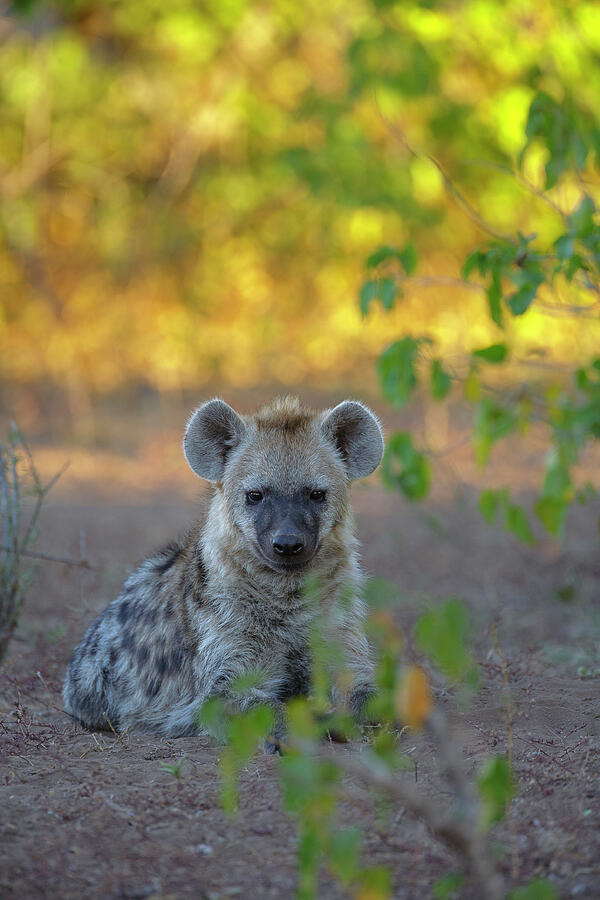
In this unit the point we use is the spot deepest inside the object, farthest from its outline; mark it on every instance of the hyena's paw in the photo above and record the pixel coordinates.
(358, 703)
(273, 746)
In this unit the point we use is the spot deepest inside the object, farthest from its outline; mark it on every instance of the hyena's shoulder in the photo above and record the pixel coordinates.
(147, 635)
(161, 596)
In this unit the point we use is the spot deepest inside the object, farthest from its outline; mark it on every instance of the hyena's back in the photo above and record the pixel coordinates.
(133, 668)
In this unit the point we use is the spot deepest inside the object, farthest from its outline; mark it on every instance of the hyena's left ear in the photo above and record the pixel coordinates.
(357, 434)
(214, 429)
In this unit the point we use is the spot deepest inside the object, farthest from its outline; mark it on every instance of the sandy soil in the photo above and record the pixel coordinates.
(96, 816)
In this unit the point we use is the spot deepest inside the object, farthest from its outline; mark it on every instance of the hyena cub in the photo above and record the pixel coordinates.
(228, 599)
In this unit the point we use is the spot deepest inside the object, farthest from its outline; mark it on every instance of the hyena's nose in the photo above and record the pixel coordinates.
(288, 544)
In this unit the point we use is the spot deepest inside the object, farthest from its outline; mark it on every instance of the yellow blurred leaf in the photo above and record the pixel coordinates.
(413, 697)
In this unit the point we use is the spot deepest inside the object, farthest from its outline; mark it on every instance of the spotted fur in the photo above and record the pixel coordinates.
(220, 603)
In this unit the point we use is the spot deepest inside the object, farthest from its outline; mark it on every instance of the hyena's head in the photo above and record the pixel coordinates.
(284, 472)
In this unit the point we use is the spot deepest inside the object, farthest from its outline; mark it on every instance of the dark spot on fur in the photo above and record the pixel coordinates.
(177, 657)
(161, 665)
(112, 657)
(123, 613)
(142, 656)
(151, 616)
(152, 688)
(128, 641)
(169, 609)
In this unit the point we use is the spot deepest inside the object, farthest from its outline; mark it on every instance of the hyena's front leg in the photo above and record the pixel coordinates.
(354, 682)
(240, 701)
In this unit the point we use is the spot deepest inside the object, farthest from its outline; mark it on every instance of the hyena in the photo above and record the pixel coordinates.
(228, 599)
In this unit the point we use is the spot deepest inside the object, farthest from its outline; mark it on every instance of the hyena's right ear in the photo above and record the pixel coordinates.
(214, 429)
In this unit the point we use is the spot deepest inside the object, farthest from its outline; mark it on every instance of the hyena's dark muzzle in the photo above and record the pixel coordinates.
(287, 528)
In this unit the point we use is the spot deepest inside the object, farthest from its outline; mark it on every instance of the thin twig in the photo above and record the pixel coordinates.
(65, 560)
(452, 189)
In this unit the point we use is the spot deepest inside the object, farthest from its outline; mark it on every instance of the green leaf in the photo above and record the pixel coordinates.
(375, 883)
(443, 635)
(368, 292)
(309, 851)
(521, 300)
(496, 788)
(474, 261)
(494, 295)
(344, 853)
(551, 512)
(489, 503)
(387, 292)
(495, 353)
(564, 246)
(447, 886)
(492, 422)
(405, 468)
(540, 889)
(396, 369)
(382, 254)
(408, 258)
(472, 386)
(516, 521)
(440, 380)
(581, 220)
(573, 266)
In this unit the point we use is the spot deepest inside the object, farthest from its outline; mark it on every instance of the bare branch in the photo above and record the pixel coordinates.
(459, 829)
(452, 189)
(65, 560)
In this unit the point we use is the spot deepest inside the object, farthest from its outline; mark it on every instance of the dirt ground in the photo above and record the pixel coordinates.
(96, 816)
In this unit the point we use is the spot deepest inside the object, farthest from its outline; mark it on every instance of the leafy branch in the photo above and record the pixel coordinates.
(514, 273)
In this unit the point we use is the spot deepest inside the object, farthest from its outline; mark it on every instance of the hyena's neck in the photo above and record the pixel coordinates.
(236, 574)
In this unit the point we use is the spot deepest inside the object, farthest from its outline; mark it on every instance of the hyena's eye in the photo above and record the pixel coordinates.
(254, 496)
(317, 496)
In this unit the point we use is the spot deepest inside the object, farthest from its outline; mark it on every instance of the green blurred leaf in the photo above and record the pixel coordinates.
(309, 852)
(494, 295)
(387, 292)
(540, 889)
(368, 292)
(492, 422)
(443, 635)
(396, 369)
(446, 887)
(564, 246)
(495, 353)
(374, 883)
(382, 254)
(405, 468)
(521, 300)
(408, 258)
(490, 502)
(581, 221)
(441, 381)
(344, 853)
(496, 788)
(517, 522)
(567, 133)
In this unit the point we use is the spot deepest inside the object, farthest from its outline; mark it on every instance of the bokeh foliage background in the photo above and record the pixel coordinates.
(189, 189)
